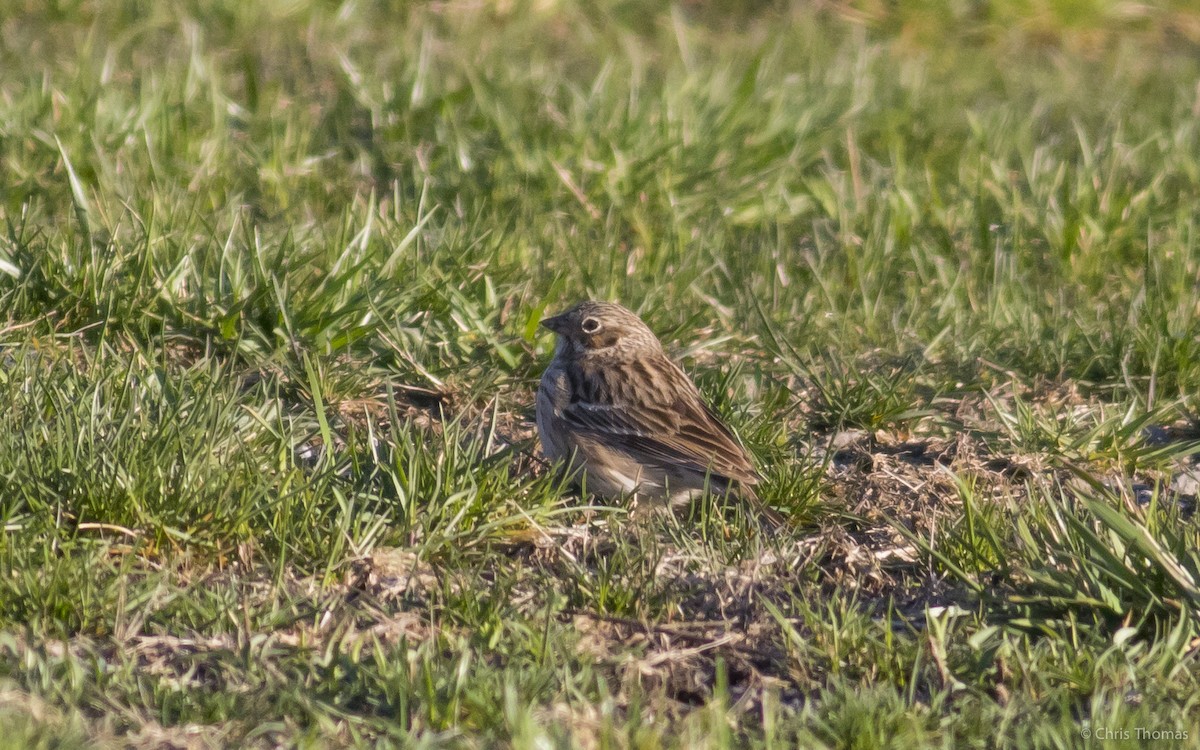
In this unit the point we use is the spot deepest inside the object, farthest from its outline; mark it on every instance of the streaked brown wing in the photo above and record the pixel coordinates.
(682, 432)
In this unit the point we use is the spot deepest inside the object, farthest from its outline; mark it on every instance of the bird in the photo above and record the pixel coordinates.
(627, 421)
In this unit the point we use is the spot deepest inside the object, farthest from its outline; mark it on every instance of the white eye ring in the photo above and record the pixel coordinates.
(590, 325)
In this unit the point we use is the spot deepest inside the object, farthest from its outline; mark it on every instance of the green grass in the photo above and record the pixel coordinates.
(270, 277)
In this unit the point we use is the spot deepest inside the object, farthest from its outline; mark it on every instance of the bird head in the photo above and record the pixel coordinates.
(592, 326)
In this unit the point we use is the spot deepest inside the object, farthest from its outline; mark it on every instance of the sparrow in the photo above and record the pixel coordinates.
(629, 422)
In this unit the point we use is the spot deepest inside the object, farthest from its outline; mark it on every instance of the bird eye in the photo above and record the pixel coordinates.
(590, 325)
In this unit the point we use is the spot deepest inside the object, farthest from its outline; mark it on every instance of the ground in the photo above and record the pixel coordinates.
(270, 277)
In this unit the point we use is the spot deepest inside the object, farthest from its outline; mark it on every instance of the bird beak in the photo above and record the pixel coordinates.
(556, 323)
